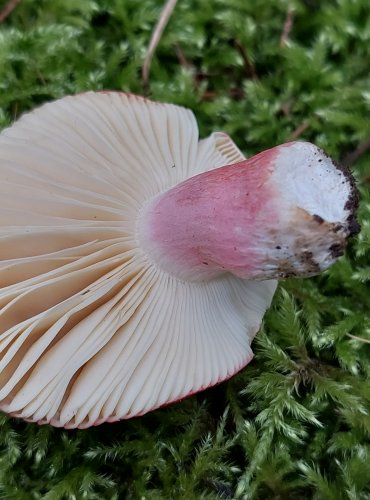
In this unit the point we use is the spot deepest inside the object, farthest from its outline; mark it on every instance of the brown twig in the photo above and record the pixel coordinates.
(155, 38)
(248, 66)
(299, 131)
(286, 108)
(181, 57)
(287, 28)
(354, 155)
(8, 9)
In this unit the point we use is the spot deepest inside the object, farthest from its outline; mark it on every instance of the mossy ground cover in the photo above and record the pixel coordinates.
(295, 424)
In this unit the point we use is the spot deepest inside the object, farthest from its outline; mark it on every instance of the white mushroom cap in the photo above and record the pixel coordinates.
(91, 329)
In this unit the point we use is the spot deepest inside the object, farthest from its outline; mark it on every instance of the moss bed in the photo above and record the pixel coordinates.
(295, 424)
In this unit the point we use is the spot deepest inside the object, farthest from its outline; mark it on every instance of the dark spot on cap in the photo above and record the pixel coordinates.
(288, 274)
(318, 219)
(205, 263)
(278, 247)
(352, 202)
(337, 228)
(308, 262)
(336, 250)
(353, 226)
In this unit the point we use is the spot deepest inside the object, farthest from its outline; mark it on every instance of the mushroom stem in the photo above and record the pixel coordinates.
(287, 211)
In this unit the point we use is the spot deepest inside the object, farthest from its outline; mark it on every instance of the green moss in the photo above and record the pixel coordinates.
(296, 422)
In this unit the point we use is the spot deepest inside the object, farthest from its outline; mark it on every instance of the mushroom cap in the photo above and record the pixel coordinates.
(91, 330)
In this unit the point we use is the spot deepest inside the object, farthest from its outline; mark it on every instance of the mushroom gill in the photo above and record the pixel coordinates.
(103, 314)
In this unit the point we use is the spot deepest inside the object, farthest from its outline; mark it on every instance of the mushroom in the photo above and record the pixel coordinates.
(137, 261)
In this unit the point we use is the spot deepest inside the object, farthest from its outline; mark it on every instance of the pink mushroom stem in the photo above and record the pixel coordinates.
(287, 211)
